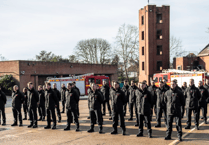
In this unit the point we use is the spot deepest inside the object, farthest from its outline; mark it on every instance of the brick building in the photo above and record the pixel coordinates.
(193, 62)
(154, 31)
(38, 71)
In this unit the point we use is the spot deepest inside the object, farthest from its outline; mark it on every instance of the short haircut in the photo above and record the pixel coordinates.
(73, 83)
(29, 83)
(117, 82)
(144, 82)
(40, 86)
(48, 84)
(173, 81)
(70, 84)
(192, 80)
(24, 89)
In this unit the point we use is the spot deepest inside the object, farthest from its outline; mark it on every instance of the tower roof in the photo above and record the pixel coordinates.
(204, 51)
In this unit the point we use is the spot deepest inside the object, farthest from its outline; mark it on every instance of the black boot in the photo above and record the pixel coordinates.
(43, 118)
(35, 125)
(88, 117)
(158, 125)
(187, 127)
(4, 123)
(110, 118)
(130, 119)
(123, 131)
(168, 137)
(54, 127)
(115, 131)
(31, 124)
(150, 134)
(40, 119)
(67, 128)
(196, 127)
(139, 134)
(137, 124)
(20, 124)
(205, 121)
(47, 127)
(91, 129)
(180, 138)
(14, 124)
(59, 120)
(100, 130)
(25, 117)
(77, 129)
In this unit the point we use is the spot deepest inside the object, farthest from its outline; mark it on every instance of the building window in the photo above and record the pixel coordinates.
(159, 65)
(179, 67)
(142, 50)
(142, 19)
(142, 65)
(142, 35)
(159, 18)
(159, 50)
(159, 34)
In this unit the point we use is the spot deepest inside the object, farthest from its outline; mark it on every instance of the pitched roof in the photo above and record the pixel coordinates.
(205, 51)
(133, 68)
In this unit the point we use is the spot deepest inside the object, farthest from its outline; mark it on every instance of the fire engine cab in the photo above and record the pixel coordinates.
(82, 81)
(181, 77)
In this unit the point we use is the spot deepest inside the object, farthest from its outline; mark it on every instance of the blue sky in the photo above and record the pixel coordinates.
(29, 26)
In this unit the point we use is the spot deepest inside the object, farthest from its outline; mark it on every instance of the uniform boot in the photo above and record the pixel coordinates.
(35, 125)
(150, 133)
(187, 127)
(196, 127)
(14, 124)
(158, 125)
(110, 113)
(139, 134)
(168, 137)
(123, 131)
(31, 124)
(100, 129)
(40, 119)
(43, 118)
(91, 129)
(4, 123)
(77, 129)
(180, 138)
(115, 131)
(47, 127)
(25, 117)
(59, 119)
(20, 124)
(67, 128)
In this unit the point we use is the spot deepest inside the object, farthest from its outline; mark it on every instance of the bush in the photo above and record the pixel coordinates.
(7, 82)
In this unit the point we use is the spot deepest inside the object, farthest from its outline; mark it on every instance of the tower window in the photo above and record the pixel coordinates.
(142, 20)
(142, 35)
(159, 65)
(142, 65)
(159, 18)
(159, 34)
(159, 50)
(142, 50)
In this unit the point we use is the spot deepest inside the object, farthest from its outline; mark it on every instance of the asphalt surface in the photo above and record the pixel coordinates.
(24, 136)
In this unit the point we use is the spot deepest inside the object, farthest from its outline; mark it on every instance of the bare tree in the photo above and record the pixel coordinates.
(127, 45)
(2, 58)
(96, 51)
(49, 56)
(73, 58)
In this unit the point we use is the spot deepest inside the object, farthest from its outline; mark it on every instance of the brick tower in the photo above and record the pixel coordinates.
(154, 29)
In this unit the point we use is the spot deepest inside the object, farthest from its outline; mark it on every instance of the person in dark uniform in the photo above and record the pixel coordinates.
(111, 89)
(63, 99)
(152, 89)
(166, 87)
(57, 92)
(183, 89)
(95, 101)
(125, 89)
(41, 106)
(89, 90)
(143, 103)
(202, 104)
(51, 102)
(192, 96)
(71, 100)
(25, 103)
(206, 86)
(161, 106)
(3, 101)
(17, 100)
(33, 102)
(174, 100)
(105, 91)
(132, 100)
(118, 100)
(76, 89)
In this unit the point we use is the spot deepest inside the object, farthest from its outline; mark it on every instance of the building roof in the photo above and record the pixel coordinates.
(133, 68)
(205, 51)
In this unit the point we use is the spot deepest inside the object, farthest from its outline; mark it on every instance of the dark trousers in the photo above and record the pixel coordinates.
(125, 108)
(104, 106)
(170, 124)
(33, 115)
(145, 118)
(58, 111)
(182, 111)
(131, 106)
(2, 112)
(63, 106)
(161, 111)
(96, 114)
(77, 108)
(41, 111)
(72, 113)
(15, 113)
(49, 113)
(154, 109)
(25, 109)
(196, 118)
(204, 112)
(115, 115)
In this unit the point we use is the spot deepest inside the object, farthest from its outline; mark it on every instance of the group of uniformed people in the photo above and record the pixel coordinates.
(170, 101)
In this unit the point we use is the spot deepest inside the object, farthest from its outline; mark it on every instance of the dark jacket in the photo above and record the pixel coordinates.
(95, 100)
(41, 95)
(192, 96)
(106, 92)
(63, 90)
(25, 95)
(152, 89)
(77, 90)
(89, 90)
(207, 88)
(17, 99)
(57, 92)
(72, 99)
(166, 87)
(132, 96)
(33, 98)
(50, 99)
(183, 89)
(203, 96)
(160, 97)
(118, 100)
(125, 89)
(143, 102)
(3, 99)
(174, 100)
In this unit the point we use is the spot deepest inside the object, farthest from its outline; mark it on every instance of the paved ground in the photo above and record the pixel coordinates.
(24, 136)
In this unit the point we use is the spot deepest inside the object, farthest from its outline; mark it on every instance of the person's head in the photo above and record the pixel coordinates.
(15, 88)
(161, 84)
(191, 82)
(132, 83)
(73, 84)
(139, 85)
(164, 81)
(69, 86)
(54, 86)
(173, 84)
(40, 88)
(104, 82)
(185, 84)
(94, 87)
(24, 90)
(63, 85)
(116, 85)
(200, 83)
(125, 82)
(97, 87)
(113, 81)
(152, 82)
(143, 85)
(30, 85)
(48, 86)
(207, 81)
